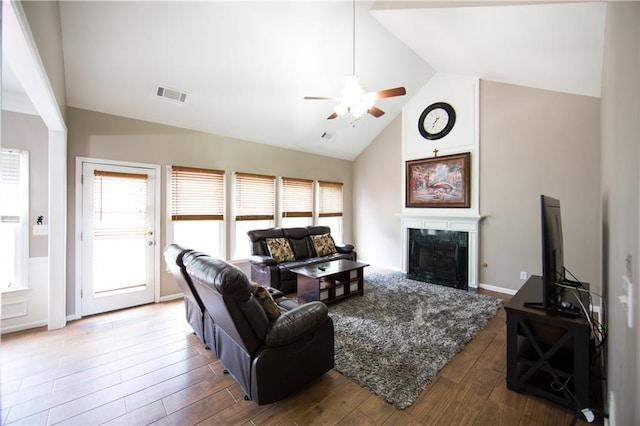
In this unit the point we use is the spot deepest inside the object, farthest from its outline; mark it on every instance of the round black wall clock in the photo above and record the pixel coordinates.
(436, 121)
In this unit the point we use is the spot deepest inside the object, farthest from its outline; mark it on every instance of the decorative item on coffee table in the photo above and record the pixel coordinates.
(330, 281)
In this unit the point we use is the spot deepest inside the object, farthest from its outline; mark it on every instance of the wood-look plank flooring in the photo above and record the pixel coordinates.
(144, 366)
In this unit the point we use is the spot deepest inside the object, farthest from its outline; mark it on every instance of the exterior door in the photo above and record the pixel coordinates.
(118, 237)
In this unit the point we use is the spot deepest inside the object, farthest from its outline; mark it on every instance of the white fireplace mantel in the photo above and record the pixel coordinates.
(459, 221)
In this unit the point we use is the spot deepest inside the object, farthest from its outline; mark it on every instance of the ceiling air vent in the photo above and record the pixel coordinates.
(327, 136)
(171, 94)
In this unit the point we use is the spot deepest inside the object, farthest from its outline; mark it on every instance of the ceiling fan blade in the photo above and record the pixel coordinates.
(319, 98)
(389, 93)
(376, 112)
(332, 116)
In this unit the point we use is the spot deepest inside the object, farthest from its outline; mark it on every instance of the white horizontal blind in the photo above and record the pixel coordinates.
(255, 197)
(14, 208)
(297, 197)
(119, 220)
(11, 207)
(330, 199)
(196, 194)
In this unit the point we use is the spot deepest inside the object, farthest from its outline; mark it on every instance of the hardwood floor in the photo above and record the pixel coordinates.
(144, 366)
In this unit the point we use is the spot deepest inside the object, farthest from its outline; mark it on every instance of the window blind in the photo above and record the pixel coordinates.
(196, 194)
(120, 205)
(330, 199)
(11, 206)
(255, 197)
(297, 197)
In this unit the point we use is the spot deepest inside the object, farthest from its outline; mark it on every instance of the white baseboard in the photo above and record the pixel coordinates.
(375, 265)
(171, 297)
(497, 289)
(24, 326)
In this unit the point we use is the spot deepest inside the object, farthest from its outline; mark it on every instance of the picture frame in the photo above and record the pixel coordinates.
(439, 182)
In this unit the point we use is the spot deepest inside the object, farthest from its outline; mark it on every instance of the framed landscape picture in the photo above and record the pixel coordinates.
(439, 182)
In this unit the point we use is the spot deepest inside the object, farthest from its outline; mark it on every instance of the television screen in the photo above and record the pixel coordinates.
(552, 252)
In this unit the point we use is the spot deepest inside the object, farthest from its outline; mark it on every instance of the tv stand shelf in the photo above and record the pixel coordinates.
(547, 347)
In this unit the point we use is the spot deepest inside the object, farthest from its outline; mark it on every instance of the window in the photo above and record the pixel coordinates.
(197, 209)
(330, 209)
(254, 208)
(14, 224)
(297, 202)
(119, 230)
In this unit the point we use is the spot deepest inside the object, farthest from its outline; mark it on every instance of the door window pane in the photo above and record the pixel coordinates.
(119, 231)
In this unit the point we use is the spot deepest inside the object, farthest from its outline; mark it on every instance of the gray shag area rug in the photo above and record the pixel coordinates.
(395, 338)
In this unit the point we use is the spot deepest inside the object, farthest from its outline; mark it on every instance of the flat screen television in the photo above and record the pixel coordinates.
(553, 270)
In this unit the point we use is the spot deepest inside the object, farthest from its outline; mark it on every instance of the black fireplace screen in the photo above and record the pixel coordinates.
(439, 257)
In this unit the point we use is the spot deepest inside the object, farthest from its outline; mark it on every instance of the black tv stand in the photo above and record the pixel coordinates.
(544, 347)
(559, 310)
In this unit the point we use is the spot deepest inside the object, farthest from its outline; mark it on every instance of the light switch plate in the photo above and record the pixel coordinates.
(40, 229)
(627, 299)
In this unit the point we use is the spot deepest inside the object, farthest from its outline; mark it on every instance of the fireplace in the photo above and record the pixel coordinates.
(439, 257)
(466, 223)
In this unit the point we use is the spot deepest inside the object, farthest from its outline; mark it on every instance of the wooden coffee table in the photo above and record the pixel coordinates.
(330, 281)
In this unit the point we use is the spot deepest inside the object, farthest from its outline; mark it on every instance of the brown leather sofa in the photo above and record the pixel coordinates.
(269, 359)
(196, 315)
(194, 309)
(268, 272)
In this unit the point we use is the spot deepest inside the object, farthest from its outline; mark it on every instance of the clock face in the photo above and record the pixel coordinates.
(436, 121)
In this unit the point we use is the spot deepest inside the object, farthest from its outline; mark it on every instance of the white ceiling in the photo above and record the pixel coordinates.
(246, 66)
(549, 46)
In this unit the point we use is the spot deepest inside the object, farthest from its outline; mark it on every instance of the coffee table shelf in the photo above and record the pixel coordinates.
(330, 281)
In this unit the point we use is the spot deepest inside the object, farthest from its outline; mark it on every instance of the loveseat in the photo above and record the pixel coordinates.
(270, 350)
(271, 261)
(176, 258)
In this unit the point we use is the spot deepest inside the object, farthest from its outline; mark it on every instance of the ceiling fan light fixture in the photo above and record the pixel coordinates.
(358, 111)
(355, 100)
(352, 91)
(341, 109)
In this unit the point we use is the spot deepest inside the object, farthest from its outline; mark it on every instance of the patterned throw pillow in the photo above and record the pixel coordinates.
(323, 244)
(280, 249)
(263, 297)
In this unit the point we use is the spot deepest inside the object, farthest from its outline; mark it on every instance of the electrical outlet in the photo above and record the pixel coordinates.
(523, 275)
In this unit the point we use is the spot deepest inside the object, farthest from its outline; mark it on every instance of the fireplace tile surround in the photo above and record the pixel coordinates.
(439, 257)
(468, 223)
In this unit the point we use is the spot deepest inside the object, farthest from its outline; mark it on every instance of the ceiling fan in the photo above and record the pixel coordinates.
(354, 99)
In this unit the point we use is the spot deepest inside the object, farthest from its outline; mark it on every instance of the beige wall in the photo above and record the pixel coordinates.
(44, 22)
(377, 182)
(536, 142)
(620, 117)
(104, 136)
(28, 132)
(519, 161)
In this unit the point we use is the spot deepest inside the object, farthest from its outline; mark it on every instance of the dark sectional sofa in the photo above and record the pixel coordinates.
(271, 345)
(267, 271)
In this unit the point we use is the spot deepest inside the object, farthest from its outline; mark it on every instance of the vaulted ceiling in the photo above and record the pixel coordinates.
(246, 66)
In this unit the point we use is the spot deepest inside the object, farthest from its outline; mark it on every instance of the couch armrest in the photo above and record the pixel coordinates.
(293, 324)
(347, 248)
(259, 259)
